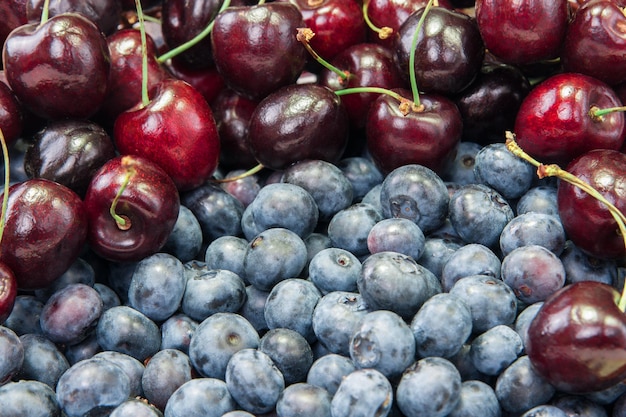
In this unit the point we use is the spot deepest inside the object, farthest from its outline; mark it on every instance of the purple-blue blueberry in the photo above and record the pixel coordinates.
(200, 397)
(363, 392)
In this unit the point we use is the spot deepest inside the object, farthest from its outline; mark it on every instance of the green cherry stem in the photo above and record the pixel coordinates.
(304, 36)
(195, 40)
(553, 170)
(596, 112)
(7, 175)
(45, 12)
(384, 32)
(145, 100)
(418, 29)
(122, 221)
(251, 171)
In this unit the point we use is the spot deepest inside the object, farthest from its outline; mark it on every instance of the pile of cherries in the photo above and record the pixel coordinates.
(116, 115)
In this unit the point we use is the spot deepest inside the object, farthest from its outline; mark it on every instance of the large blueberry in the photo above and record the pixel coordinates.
(349, 228)
(471, 259)
(11, 354)
(200, 397)
(533, 229)
(166, 371)
(29, 398)
(495, 349)
(303, 399)
(334, 269)
(499, 169)
(43, 360)
(519, 388)
(329, 370)
(290, 352)
(363, 392)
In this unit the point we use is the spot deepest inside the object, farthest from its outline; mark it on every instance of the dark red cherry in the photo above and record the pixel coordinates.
(449, 51)
(45, 230)
(12, 15)
(555, 122)
(8, 291)
(522, 32)
(255, 47)
(56, 72)
(297, 122)
(587, 221)
(148, 205)
(207, 81)
(11, 114)
(577, 341)
(176, 130)
(428, 137)
(595, 43)
(104, 13)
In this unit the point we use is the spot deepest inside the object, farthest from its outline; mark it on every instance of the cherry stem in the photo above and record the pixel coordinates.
(241, 176)
(597, 113)
(123, 222)
(303, 36)
(406, 106)
(144, 54)
(418, 29)
(195, 40)
(45, 12)
(7, 175)
(553, 170)
(384, 32)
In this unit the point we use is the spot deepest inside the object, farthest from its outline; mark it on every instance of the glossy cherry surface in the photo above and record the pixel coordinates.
(149, 205)
(45, 230)
(11, 114)
(577, 341)
(12, 15)
(8, 291)
(207, 81)
(104, 13)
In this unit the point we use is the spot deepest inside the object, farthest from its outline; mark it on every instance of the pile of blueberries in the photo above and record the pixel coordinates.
(321, 290)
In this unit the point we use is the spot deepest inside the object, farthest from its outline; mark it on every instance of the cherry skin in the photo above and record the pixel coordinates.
(55, 72)
(522, 32)
(149, 205)
(104, 13)
(595, 43)
(587, 221)
(12, 15)
(255, 47)
(554, 124)
(297, 122)
(11, 114)
(176, 130)
(207, 81)
(428, 137)
(45, 231)
(8, 291)
(577, 341)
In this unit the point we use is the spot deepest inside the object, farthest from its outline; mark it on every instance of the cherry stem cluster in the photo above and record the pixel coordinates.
(553, 170)
(384, 32)
(7, 178)
(304, 36)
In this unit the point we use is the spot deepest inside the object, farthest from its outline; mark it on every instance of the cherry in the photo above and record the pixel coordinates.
(56, 72)
(132, 206)
(297, 122)
(522, 32)
(595, 43)
(207, 81)
(255, 47)
(12, 15)
(104, 13)
(577, 341)
(448, 54)
(8, 282)
(11, 114)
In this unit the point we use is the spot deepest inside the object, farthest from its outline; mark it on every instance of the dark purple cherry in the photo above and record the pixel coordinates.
(449, 51)
(104, 13)
(69, 152)
(45, 231)
(12, 15)
(255, 47)
(57, 72)
(207, 81)
(147, 209)
(11, 114)
(297, 122)
(427, 137)
(8, 291)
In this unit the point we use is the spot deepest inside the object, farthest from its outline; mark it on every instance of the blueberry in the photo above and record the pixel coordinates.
(212, 291)
(227, 252)
(416, 193)
(200, 397)
(71, 313)
(609, 395)
(290, 304)
(471, 259)
(373, 198)
(362, 173)
(580, 266)
(157, 286)
(578, 405)
(108, 296)
(334, 269)
(524, 318)
(131, 366)
(282, 205)
(119, 277)
(477, 399)
(79, 272)
(466, 368)
(303, 399)
(243, 189)
(499, 169)
(349, 228)
(315, 243)
(519, 388)
(166, 371)
(540, 199)
(238, 413)
(272, 256)
(25, 316)
(216, 339)
(29, 398)
(335, 318)
(545, 410)
(218, 212)
(176, 332)
(134, 407)
(254, 381)
(479, 213)
(490, 301)
(253, 308)
(437, 251)
(431, 387)
(92, 386)
(363, 392)
(185, 239)
(126, 330)
(432, 337)
(43, 360)
(11, 354)
(533, 229)
(460, 170)
(383, 341)
(396, 235)
(495, 349)
(393, 281)
(533, 272)
(290, 352)
(327, 184)
(329, 370)
(82, 350)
